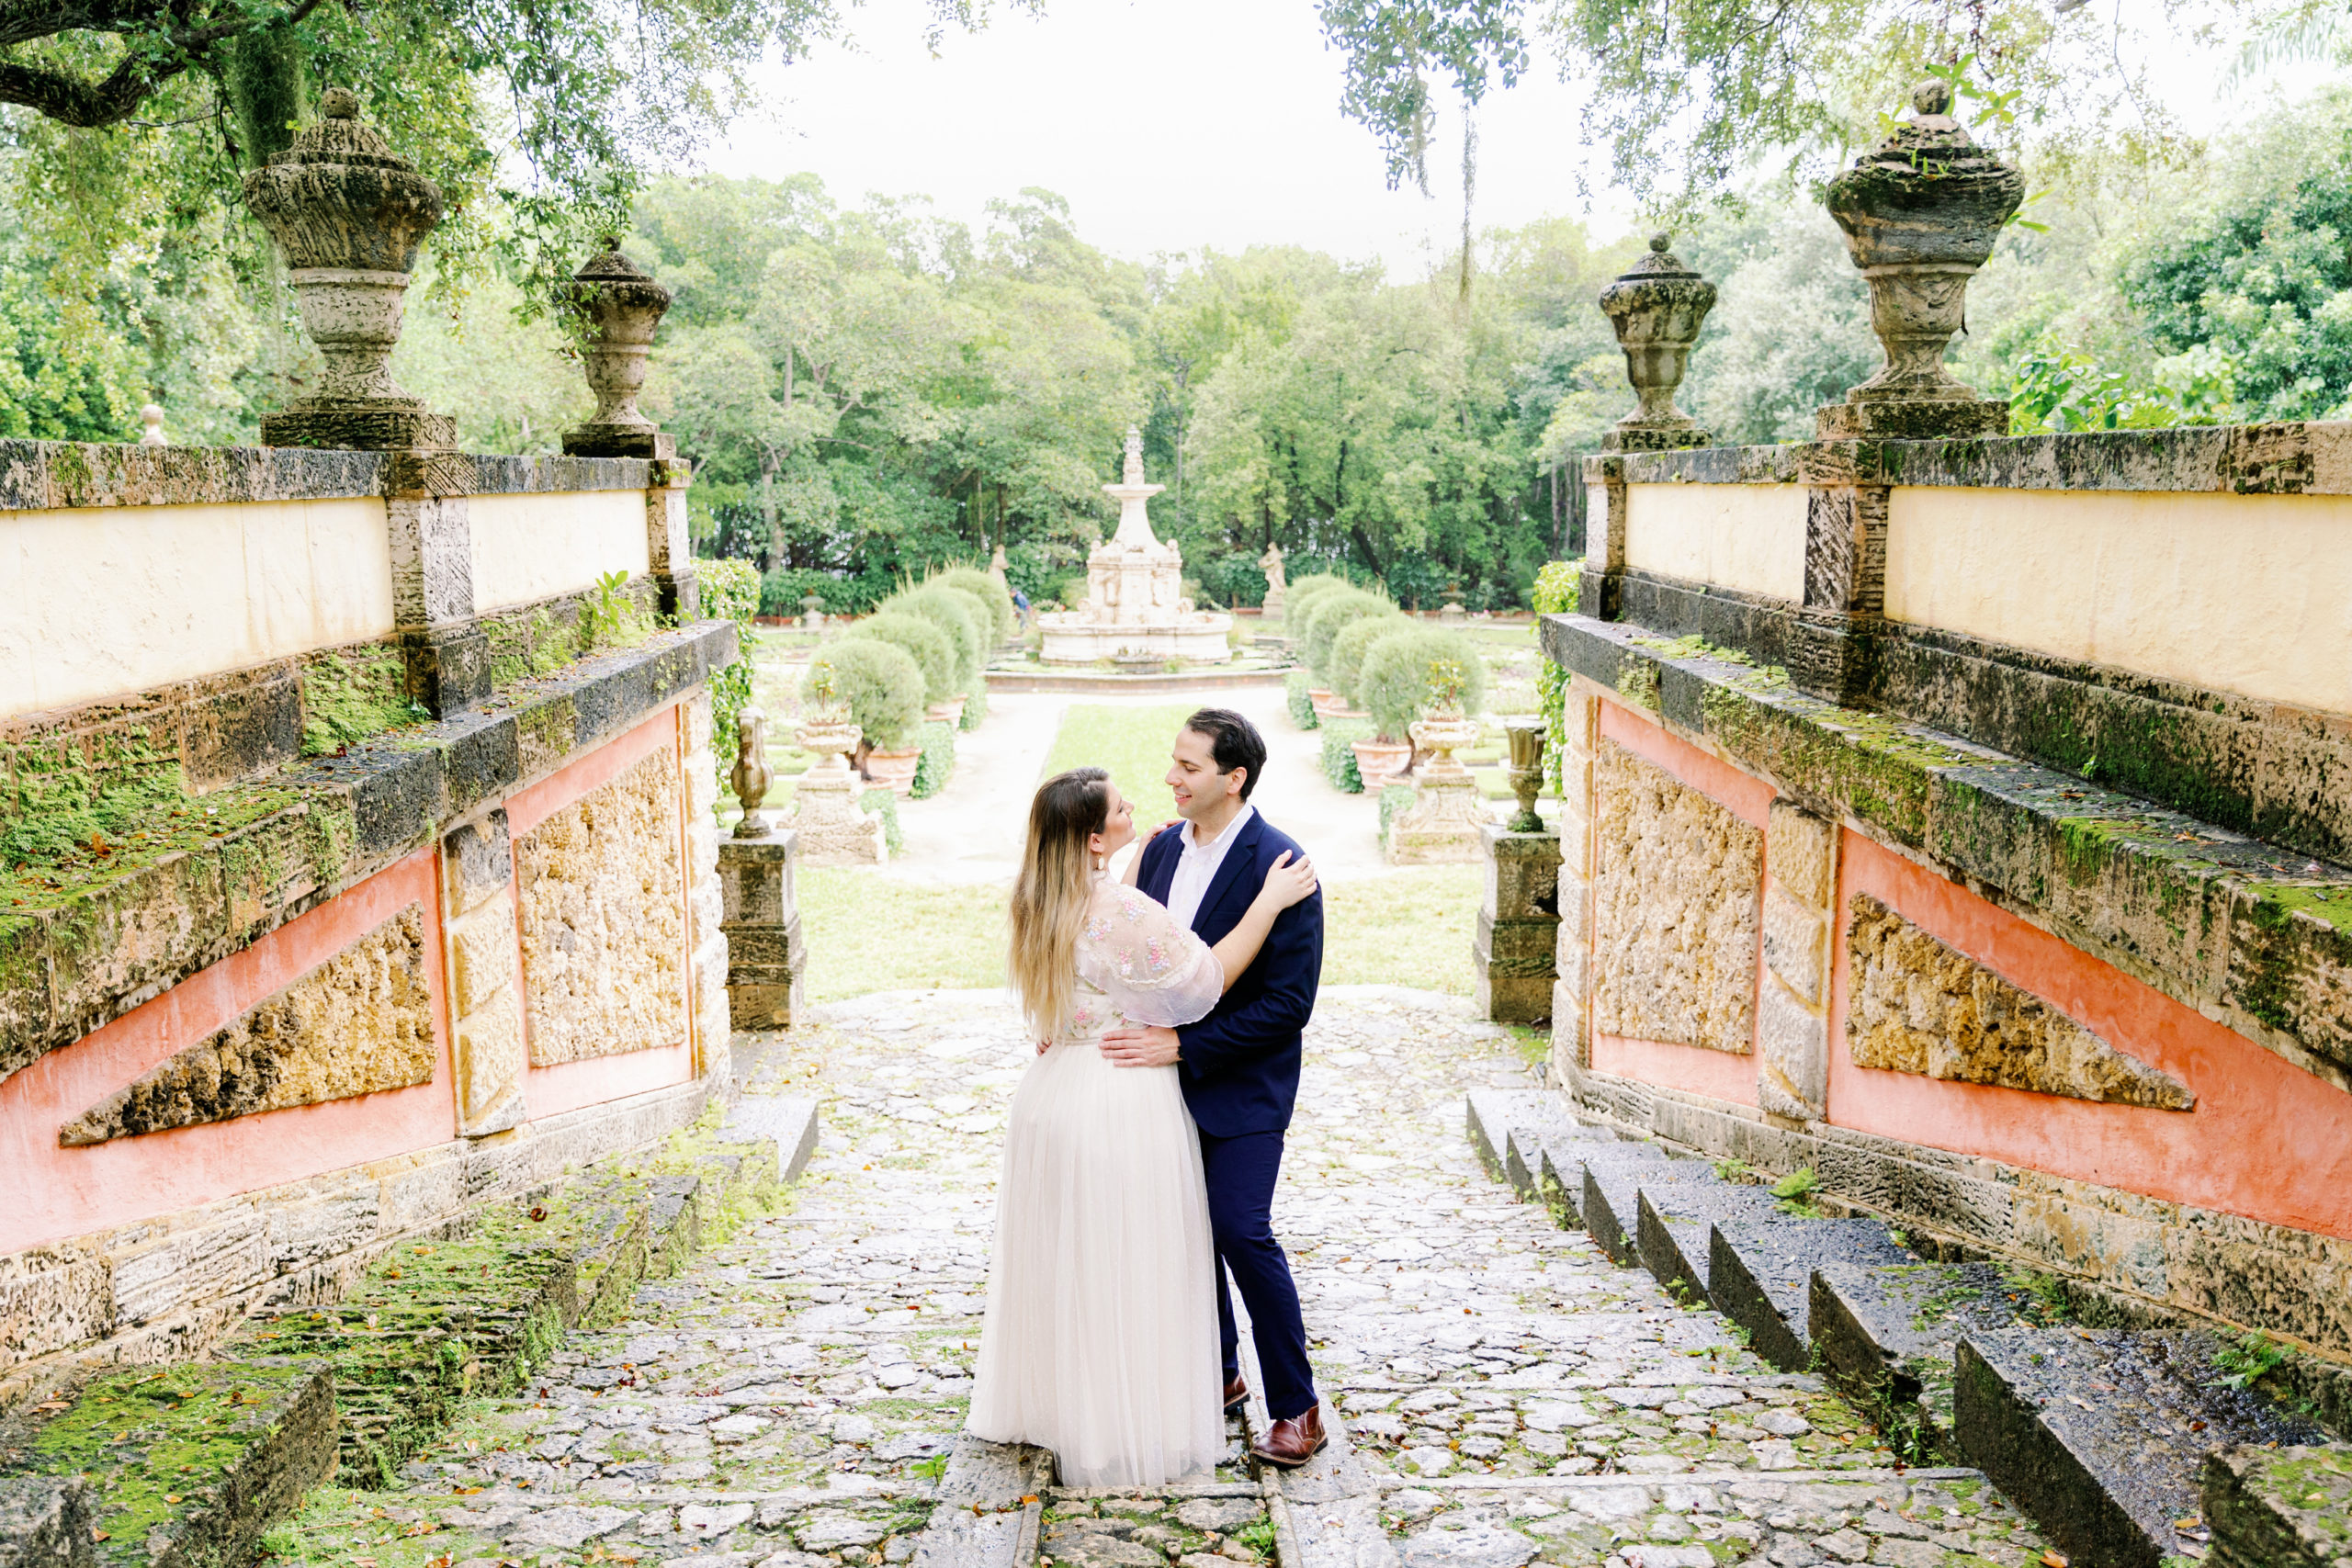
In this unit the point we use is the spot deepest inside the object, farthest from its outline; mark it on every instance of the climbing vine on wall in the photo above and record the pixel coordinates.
(731, 591)
(1555, 594)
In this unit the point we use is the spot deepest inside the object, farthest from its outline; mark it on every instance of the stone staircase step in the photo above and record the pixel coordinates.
(1759, 1275)
(1676, 1206)
(2287, 1507)
(185, 1464)
(987, 1508)
(45, 1522)
(1493, 1113)
(2101, 1435)
(1887, 1337)
(789, 1122)
(1609, 1178)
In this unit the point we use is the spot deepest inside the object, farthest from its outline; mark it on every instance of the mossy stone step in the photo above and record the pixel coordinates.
(2289, 1507)
(45, 1522)
(2100, 1434)
(1886, 1336)
(1609, 1177)
(1677, 1203)
(186, 1466)
(1759, 1275)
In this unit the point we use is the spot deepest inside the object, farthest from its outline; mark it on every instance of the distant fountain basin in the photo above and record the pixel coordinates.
(1135, 611)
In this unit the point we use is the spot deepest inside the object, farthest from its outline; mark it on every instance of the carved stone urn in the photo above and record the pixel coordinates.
(1526, 738)
(619, 306)
(1921, 212)
(1656, 307)
(349, 215)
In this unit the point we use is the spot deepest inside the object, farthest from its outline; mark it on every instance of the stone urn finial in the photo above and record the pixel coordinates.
(620, 305)
(749, 777)
(1657, 306)
(349, 215)
(152, 417)
(1921, 212)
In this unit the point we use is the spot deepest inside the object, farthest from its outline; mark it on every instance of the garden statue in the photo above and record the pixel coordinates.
(1277, 586)
(751, 777)
(997, 563)
(812, 611)
(1657, 307)
(1921, 212)
(1526, 737)
(349, 216)
(619, 306)
(152, 417)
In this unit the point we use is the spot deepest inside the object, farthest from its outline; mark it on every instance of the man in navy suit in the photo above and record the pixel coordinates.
(1240, 1065)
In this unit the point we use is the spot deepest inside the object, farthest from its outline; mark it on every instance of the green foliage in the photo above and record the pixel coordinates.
(608, 616)
(1300, 597)
(962, 615)
(920, 636)
(881, 685)
(2055, 388)
(996, 597)
(781, 590)
(1396, 799)
(1329, 616)
(1407, 674)
(1554, 593)
(1795, 1192)
(347, 697)
(936, 765)
(976, 707)
(1338, 755)
(2248, 1361)
(885, 800)
(1294, 697)
(731, 591)
(1348, 650)
(1734, 1170)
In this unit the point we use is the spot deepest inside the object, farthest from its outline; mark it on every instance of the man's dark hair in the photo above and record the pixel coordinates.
(1233, 742)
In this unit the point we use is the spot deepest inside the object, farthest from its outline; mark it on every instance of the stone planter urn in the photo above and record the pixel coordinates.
(893, 768)
(1656, 308)
(949, 713)
(1381, 763)
(619, 306)
(348, 216)
(1921, 212)
(833, 828)
(1442, 734)
(1526, 737)
(750, 777)
(1446, 821)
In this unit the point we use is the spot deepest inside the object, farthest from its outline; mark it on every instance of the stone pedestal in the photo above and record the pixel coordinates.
(765, 952)
(1518, 925)
(833, 829)
(1443, 824)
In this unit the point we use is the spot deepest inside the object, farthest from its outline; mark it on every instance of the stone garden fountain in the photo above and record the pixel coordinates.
(1134, 612)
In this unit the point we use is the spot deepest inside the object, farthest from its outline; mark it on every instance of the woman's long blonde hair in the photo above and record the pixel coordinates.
(1050, 896)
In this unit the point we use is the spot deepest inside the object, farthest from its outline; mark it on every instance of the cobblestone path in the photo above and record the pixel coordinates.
(792, 1399)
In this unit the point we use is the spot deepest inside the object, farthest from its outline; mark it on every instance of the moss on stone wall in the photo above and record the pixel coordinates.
(353, 694)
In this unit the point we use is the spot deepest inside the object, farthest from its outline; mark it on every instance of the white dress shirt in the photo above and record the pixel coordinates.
(1196, 867)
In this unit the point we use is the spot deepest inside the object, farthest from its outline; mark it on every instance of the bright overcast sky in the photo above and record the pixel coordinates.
(1173, 124)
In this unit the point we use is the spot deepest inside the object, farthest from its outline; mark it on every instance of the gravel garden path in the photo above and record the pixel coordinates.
(793, 1399)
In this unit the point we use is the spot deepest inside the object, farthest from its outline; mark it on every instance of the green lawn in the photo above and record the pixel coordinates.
(867, 932)
(1133, 743)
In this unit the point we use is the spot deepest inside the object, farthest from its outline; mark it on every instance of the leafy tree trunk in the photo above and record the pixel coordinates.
(772, 545)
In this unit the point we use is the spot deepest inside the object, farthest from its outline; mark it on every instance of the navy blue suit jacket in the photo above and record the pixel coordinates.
(1240, 1065)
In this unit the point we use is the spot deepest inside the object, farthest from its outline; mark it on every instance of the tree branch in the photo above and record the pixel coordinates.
(73, 101)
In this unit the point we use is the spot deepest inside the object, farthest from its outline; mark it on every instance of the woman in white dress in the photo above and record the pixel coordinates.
(1101, 1340)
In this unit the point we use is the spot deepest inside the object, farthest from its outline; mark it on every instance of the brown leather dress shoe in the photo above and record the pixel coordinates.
(1237, 1394)
(1292, 1443)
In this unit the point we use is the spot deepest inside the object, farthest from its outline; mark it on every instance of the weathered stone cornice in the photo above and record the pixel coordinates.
(311, 831)
(2314, 458)
(44, 475)
(2252, 935)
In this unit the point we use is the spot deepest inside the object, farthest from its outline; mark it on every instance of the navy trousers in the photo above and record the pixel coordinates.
(1241, 1172)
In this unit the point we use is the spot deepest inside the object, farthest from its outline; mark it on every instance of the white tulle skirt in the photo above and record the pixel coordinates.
(1101, 1340)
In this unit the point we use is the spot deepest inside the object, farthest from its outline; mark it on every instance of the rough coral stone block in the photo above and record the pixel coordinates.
(2290, 967)
(1801, 851)
(603, 919)
(1522, 875)
(1675, 883)
(477, 863)
(45, 1522)
(178, 1268)
(1916, 1006)
(482, 954)
(358, 1024)
(489, 1066)
(1792, 1040)
(51, 1298)
(1795, 944)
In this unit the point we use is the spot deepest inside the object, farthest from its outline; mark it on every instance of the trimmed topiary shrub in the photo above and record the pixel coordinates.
(1396, 799)
(1340, 756)
(995, 595)
(1349, 648)
(955, 614)
(879, 681)
(936, 765)
(1332, 615)
(1302, 707)
(1402, 671)
(1300, 596)
(920, 637)
(976, 706)
(885, 800)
